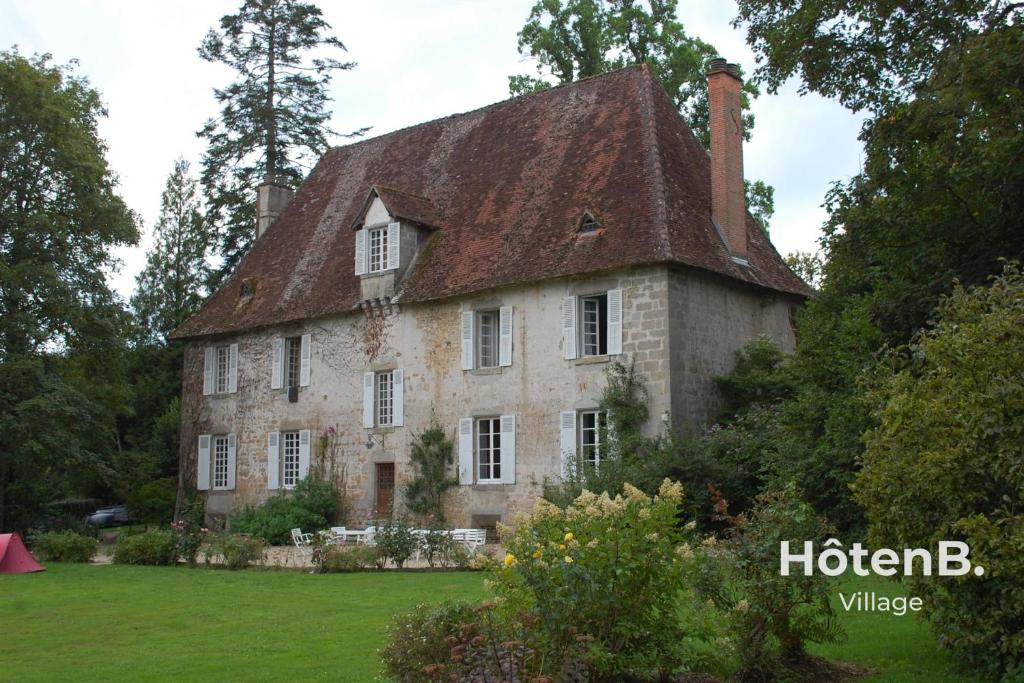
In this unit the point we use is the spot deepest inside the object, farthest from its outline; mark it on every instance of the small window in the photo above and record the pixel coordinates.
(592, 423)
(487, 339)
(384, 398)
(378, 241)
(221, 369)
(290, 461)
(293, 361)
(589, 224)
(488, 450)
(220, 462)
(594, 328)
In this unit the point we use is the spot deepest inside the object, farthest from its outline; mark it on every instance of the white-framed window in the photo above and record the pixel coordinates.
(591, 425)
(488, 450)
(594, 325)
(384, 398)
(487, 339)
(290, 459)
(222, 369)
(220, 462)
(292, 361)
(378, 250)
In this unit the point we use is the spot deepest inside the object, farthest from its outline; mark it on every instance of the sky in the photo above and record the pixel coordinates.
(417, 60)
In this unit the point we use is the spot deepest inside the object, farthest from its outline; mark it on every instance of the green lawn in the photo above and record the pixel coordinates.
(113, 622)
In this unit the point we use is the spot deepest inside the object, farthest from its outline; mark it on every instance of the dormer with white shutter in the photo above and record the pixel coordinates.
(389, 232)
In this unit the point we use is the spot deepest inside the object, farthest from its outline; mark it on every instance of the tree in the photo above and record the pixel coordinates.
(273, 119)
(60, 326)
(807, 265)
(944, 463)
(867, 54)
(173, 283)
(574, 39)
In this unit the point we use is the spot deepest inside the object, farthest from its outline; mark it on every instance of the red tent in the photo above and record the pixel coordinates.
(15, 557)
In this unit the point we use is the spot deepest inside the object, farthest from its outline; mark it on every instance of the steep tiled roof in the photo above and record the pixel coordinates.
(403, 205)
(506, 185)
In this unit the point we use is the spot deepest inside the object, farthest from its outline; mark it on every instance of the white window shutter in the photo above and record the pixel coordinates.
(394, 244)
(203, 464)
(304, 438)
(465, 451)
(368, 399)
(508, 449)
(304, 360)
(569, 327)
(567, 424)
(505, 338)
(360, 252)
(277, 364)
(208, 368)
(233, 369)
(468, 317)
(398, 397)
(614, 322)
(232, 460)
(273, 461)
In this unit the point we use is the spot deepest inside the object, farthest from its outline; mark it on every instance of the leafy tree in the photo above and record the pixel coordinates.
(60, 326)
(807, 265)
(944, 463)
(431, 455)
(273, 119)
(868, 54)
(173, 283)
(574, 39)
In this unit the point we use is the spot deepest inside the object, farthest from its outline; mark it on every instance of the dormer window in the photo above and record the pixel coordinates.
(378, 250)
(588, 224)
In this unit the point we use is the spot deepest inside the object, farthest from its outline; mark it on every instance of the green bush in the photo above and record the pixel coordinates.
(394, 541)
(418, 645)
(349, 559)
(431, 456)
(63, 546)
(236, 550)
(151, 547)
(945, 461)
(771, 616)
(153, 502)
(311, 506)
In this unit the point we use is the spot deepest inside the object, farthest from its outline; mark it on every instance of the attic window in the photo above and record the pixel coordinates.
(248, 287)
(588, 224)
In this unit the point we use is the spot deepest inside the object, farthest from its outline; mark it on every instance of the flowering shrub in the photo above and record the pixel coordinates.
(189, 531)
(394, 541)
(605, 569)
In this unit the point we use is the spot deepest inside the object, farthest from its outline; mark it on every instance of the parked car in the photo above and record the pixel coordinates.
(108, 516)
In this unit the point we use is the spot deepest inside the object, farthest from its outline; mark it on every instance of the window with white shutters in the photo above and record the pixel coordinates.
(290, 459)
(220, 462)
(384, 398)
(599, 328)
(378, 250)
(487, 339)
(591, 425)
(593, 325)
(293, 361)
(488, 451)
(222, 369)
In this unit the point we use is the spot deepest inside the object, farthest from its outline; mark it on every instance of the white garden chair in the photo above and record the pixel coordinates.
(302, 541)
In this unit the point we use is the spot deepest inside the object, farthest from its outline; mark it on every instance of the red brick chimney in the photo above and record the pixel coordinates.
(727, 195)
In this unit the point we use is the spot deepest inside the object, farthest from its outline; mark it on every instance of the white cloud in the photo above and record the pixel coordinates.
(418, 60)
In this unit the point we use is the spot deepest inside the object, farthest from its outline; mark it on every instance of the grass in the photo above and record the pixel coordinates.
(900, 649)
(114, 622)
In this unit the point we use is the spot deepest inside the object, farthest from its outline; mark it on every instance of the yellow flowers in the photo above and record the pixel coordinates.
(510, 559)
(537, 553)
(567, 559)
(569, 537)
(561, 546)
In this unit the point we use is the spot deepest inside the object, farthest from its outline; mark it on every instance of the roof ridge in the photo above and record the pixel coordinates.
(659, 197)
(642, 66)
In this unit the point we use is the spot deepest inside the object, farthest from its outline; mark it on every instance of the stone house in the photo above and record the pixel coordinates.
(480, 271)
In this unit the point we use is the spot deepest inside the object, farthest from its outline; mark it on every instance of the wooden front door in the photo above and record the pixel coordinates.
(385, 487)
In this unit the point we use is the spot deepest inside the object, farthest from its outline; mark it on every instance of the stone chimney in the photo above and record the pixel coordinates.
(272, 197)
(728, 209)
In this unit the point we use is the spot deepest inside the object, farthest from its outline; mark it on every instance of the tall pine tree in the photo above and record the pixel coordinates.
(173, 284)
(273, 118)
(574, 39)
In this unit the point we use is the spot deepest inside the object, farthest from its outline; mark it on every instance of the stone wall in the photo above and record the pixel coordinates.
(681, 328)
